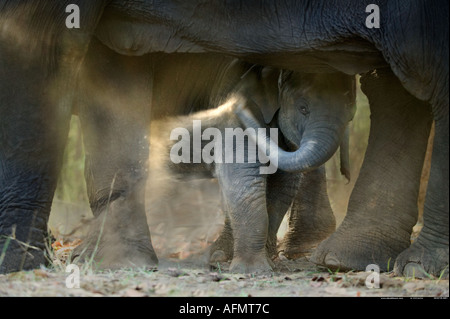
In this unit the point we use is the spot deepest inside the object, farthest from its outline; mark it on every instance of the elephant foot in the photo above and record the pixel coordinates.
(422, 261)
(219, 256)
(296, 245)
(297, 251)
(354, 248)
(17, 256)
(115, 242)
(220, 252)
(116, 254)
(222, 249)
(259, 264)
(209, 257)
(22, 242)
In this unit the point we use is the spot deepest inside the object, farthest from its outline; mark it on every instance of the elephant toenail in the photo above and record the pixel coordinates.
(282, 256)
(331, 261)
(218, 256)
(414, 270)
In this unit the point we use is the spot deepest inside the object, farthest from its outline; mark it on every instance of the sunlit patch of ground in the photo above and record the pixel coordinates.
(184, 219)
(292, 278)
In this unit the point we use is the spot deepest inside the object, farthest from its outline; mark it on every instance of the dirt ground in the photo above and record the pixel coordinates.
(182, 228)
(181, 272)
(292, 279)
(178, 241)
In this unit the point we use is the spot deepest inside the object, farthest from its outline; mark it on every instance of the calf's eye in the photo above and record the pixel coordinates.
(304, 110)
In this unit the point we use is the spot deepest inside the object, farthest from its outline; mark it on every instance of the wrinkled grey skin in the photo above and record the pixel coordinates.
(40, 59)
(256, 203)
(411, 44)
(310, 217)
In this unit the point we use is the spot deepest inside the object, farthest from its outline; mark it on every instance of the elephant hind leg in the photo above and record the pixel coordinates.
(429, 254)
(383, 205)
(222, 249)
(114, 110)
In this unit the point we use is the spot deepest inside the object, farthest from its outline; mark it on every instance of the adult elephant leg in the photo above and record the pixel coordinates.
(429, 254)
(33, 131)
(114, 109)
(244, 192)
(383, 206)
(39, 59)
(311, 219)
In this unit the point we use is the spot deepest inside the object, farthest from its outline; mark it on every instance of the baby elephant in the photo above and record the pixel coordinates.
(284, 111)
(115, 108)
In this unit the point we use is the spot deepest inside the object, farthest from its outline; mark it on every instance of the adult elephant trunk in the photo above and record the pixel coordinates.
(320, 140)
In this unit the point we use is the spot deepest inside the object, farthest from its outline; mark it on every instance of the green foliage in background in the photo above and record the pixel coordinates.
(71, 185)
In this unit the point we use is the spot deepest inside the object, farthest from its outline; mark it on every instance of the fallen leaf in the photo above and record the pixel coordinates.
(41, 273)
(318, 279)
(411, 287)
(176, 255)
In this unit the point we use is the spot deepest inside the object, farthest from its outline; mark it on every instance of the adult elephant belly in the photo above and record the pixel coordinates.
(352, 57)
(132, 37)
(127, 35)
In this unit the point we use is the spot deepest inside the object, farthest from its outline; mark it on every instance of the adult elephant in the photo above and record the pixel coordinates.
(40, 58)
(410, 53)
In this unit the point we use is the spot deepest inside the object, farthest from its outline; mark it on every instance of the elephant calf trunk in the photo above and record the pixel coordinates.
(319, 142)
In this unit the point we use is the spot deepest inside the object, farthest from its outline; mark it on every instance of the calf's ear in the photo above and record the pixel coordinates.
(266, 94)
(345, 154)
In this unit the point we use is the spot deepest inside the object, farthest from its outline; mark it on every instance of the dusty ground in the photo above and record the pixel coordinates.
(180, 228)
(293, 278)
(187, 225)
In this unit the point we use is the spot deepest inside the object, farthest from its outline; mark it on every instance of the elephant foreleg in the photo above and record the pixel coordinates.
(244, 192)
(383, 205)
(33, 130)
(114, 109)
(281, 189)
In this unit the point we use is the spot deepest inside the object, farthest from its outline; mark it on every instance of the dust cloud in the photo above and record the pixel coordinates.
(184, 214)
